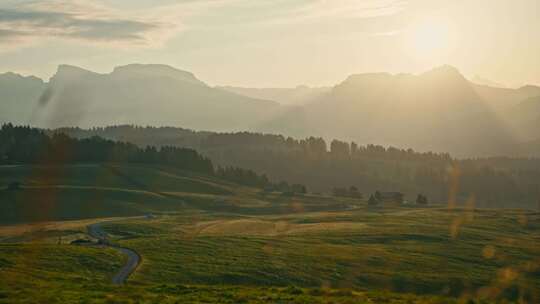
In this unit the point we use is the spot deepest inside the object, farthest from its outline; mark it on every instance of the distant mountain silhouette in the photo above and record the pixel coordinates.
(486, 82)
(297, 96)
(438, 110)
(500, 99)
(18, 97)
(146, 95)
(525, 118)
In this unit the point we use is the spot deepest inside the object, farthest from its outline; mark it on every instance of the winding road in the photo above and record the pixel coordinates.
(96, 231)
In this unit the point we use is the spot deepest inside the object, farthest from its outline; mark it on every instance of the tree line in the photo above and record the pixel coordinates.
(24, 144)
(323, 166)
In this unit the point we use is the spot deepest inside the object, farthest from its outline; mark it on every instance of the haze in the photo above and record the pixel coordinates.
(270, 151)
(276, 43)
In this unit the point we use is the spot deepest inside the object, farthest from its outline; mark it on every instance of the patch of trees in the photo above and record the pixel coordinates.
(386, 197)
(351, 192)
(250, 178)
(242, 176)
(30, 145)
(287, 189)
(421, 200)
(373, 201)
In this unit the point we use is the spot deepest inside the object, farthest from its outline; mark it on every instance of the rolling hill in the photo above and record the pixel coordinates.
(85, 191)
(68, 192)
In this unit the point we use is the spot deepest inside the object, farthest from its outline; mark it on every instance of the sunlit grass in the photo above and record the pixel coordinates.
(414, 251)
(249, 246)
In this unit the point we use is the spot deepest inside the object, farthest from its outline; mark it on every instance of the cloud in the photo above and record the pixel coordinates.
(347, 9)
(321, 11)
(78, 20)
(92, 21)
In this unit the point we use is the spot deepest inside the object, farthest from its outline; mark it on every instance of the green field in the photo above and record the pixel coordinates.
(71, 192)
(431, 251)
(212, 241)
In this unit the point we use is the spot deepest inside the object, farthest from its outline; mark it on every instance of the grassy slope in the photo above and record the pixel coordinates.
(422, 251)
(47, 270)
(394, 251)
(127, 177)
(38, 273)
(177, 293)
(91, 191)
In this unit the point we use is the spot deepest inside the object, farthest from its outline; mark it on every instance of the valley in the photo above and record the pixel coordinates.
(224, 240)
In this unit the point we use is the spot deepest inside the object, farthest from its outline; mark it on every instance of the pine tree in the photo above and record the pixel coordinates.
(372, 200)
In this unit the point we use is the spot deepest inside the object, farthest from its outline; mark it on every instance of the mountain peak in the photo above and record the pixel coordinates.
(15, 77)
(367, 77)
(530, 88)
(444, 70)
(67, 68)
(152, 67)
(156, 70)
(70, 72)
(446, 74)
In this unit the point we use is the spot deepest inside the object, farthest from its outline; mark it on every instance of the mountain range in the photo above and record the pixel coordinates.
(136, 94)
(438, 110)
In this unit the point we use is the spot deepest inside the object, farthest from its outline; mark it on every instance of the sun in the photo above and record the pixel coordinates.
(429, 38)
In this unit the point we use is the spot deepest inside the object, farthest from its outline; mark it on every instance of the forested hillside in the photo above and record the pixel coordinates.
(322, 166)
(25, 145)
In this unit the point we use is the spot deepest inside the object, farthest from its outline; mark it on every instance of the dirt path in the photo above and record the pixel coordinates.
(96, 231)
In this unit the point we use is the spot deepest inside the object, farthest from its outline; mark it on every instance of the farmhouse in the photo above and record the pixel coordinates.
(389, 197)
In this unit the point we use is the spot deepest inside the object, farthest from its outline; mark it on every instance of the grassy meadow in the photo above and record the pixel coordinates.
(213, 241)
(428, 251)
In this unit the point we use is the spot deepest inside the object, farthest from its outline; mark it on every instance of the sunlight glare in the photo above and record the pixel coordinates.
(429, 39)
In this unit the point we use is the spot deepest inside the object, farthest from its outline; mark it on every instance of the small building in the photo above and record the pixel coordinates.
(390, 197)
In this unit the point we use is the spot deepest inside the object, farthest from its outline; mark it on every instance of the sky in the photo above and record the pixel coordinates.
(277, 43)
